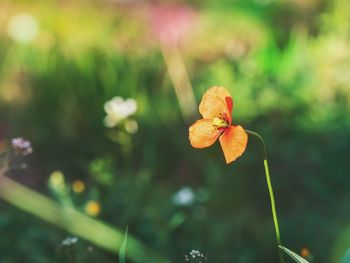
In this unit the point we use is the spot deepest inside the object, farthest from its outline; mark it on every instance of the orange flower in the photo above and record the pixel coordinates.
(216, 110)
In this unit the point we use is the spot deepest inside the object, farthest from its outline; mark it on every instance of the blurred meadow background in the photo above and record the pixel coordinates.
(105, 90)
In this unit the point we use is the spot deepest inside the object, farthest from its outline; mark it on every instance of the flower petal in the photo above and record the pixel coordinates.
(233, 142)
(229, 104)
(214, 103)
(203, 133)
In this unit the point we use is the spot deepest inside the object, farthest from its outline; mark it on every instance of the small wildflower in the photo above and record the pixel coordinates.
(78, 186)
(70, 241)
(22, 146)
(195, 256)
(93, 208)
(118, 109)
(185, 196)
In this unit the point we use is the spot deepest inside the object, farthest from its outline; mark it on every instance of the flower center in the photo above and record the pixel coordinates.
(220, 123)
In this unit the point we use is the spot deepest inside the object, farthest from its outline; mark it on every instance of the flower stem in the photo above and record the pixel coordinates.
(272, 196)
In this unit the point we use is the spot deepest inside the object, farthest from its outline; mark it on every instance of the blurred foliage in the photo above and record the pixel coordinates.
(286, 64)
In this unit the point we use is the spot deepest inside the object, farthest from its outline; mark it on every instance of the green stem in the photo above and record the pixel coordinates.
(272, 196)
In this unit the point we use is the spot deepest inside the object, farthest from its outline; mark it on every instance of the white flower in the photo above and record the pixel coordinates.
(118, 109)
(23, 28)
(70, 241)
(185, 196)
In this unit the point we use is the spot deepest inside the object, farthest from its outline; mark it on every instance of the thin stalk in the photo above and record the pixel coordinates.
(272, 196)
(180, 79)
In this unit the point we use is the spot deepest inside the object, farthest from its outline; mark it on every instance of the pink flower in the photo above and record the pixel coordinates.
(171, 23)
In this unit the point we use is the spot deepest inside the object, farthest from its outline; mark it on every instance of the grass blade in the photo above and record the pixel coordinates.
(122, 251)
(95, 231)
(293, 255)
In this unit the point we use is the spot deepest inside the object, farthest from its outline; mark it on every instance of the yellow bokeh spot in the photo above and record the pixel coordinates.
(93, 208)
(78, 186)
(57, 179)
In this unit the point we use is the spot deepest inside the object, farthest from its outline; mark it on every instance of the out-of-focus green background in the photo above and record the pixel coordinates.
(287, 65)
